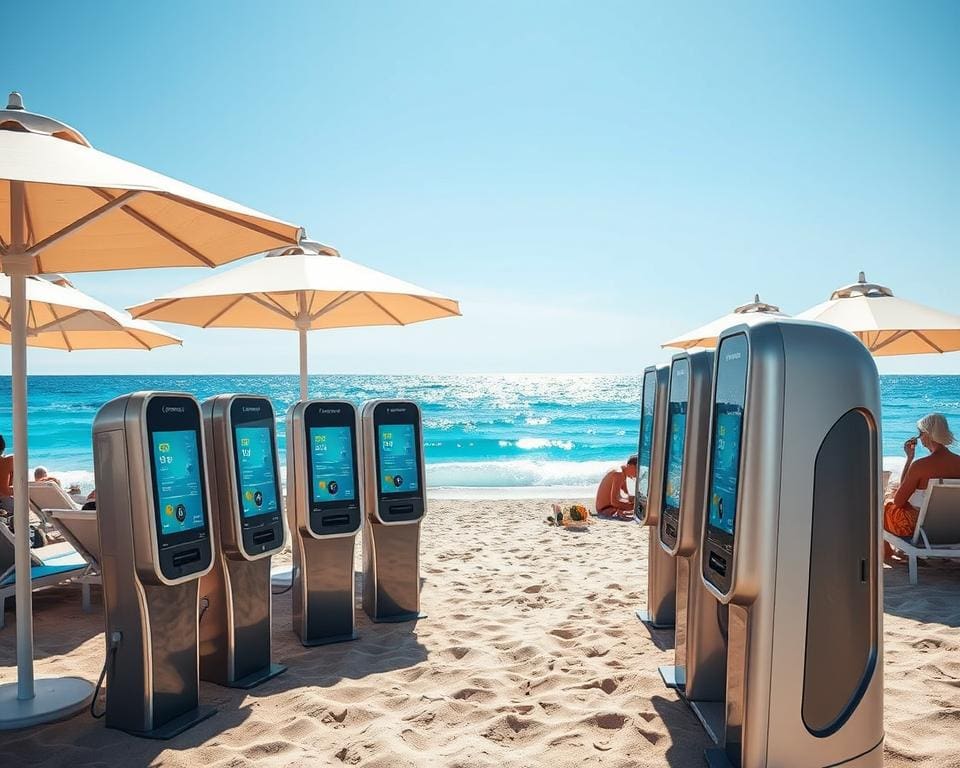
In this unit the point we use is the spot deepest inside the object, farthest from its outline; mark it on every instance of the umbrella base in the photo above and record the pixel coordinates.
(57, 698)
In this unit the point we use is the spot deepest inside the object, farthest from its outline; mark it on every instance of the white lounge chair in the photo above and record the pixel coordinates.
(46, 496)
(938, 526)
(49, 566)
(79, 527)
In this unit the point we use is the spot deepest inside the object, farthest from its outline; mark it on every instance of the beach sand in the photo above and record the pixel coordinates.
(530, 655)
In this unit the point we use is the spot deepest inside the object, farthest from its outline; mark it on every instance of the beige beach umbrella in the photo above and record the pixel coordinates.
(887, 324)
(61, 317)
(67, 207)
(707, 335)
(300, 288)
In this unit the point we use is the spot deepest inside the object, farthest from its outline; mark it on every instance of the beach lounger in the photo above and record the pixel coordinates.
(45, 497)
(79, 528)
(938, 526)
(49, 566)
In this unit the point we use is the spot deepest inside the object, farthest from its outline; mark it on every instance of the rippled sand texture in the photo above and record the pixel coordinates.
(530, 656)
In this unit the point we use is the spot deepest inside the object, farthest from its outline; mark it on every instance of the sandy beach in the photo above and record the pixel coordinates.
(530, 655)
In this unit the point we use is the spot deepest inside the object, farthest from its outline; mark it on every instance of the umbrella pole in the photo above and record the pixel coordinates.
(21, 513)
(303, 363)
(20, 705)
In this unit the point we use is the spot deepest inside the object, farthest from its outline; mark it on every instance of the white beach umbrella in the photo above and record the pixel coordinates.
(299, 288)
(61, 317)
(707, 335)
(66, 207)
(886, 324)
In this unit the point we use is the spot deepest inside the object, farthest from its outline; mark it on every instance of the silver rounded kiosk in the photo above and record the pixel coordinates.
(700, 649)
(395, 496)
(325, 509)
(791, 543)
(156, 542)
(660, 612)
(235, 597)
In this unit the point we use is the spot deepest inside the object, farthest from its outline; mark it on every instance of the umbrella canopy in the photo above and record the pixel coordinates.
(886, 324)
(707, 335)
(301, 288)
(66, 207)
(61, 317)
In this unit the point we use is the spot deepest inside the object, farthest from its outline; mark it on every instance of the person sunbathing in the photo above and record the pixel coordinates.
(901, 505)
(6, 479)
(614, 497)
(40, 475)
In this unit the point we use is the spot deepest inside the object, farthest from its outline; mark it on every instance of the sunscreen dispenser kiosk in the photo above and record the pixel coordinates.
(792, 543)
(700, 649)
(395, 497)
(156, 541)
(235, 597)
(325, 509)
(660, 612)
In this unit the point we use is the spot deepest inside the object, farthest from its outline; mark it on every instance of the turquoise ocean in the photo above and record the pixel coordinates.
(480, 431)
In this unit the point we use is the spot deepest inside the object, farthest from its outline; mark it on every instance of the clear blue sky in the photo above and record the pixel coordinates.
(587, 178)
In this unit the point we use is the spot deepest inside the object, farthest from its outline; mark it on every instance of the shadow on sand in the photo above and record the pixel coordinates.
(932, 600)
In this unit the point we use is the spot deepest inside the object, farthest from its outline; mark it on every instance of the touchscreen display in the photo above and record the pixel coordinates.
(331, 457)
(676, 433)
(646, 433)
(176, 457)
(399, 472)
(256, 471)
(727, 432)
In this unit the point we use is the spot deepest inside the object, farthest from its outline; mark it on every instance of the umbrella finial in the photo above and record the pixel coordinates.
(862, 278)
(15, 101)
(756, 298)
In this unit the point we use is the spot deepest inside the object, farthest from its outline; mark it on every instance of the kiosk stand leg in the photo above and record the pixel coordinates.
(323, 611)
(391, 572)
(661, 610)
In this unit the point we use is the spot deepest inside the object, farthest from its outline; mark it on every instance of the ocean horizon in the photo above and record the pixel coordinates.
(499, 434)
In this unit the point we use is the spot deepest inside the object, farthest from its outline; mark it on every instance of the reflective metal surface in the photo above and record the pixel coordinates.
(803, 380)
(151, 620)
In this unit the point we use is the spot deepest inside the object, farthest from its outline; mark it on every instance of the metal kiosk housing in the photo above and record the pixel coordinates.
(150, 579)
(235, 624)
(791, 543)
(700, 648)
(660, 612)
(391, 526)
(324, 532)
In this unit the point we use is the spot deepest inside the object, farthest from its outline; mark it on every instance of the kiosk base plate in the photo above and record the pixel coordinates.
(260, 676)
(674, 677)
(713, 716)
(717, 758)
(330, 640)
(398, 619)
(644, 615)
(178, 725)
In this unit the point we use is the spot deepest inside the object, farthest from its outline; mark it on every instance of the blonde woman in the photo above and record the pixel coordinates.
(901, 510)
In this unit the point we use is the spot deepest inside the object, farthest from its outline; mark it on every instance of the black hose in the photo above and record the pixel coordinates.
(111, 660)
(293, 575)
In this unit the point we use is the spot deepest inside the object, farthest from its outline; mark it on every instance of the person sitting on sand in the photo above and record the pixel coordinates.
(901, 507)
(40, 475)
(614, 496)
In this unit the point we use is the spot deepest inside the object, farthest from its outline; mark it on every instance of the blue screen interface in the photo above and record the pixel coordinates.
(727, 432)
(256, 471)
(331, 456)
(676, 433)
(399, 472)
(176, 457)
(646, 434)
